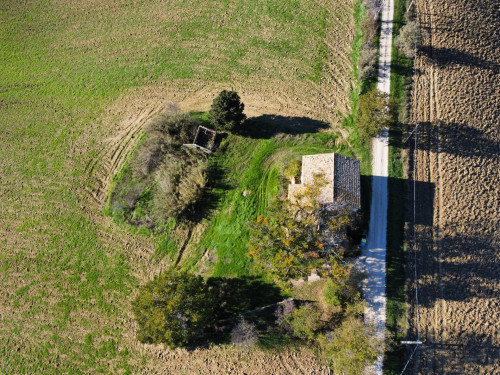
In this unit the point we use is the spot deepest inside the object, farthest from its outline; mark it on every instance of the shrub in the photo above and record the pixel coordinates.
(333, 293)
(356, 309)
(368, 53)
(304, 321)
(408, 37)
(172, 308)
(366, 62)
(342, 291)
(244, 334)
(351, 347)
(181, 180)
(148, 155)
(343, 286)
(175, 127)
(293, 168)
(226, 112)
(373, 113)
(282, 313)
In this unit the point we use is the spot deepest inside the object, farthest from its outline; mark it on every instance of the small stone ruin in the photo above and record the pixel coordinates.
(204, 140)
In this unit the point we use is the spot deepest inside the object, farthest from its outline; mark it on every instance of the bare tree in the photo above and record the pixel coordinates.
(244, 334)
(409, 39)
(283, 311)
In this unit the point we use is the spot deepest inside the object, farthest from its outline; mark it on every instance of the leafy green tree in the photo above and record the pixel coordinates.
(226, 112)
(343, 285)
(171, 308)
(351, 347)
(305, 321)
(287, 241)
(373, 114)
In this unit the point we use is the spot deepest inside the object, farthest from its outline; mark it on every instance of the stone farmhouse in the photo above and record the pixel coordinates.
(342, 174)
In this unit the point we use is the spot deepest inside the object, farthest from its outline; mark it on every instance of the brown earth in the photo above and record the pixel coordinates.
(457, 192)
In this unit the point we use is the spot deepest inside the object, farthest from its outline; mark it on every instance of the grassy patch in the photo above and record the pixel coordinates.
(396, 250)
(255, 166)
(361, 147)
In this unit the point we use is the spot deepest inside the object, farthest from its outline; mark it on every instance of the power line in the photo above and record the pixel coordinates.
(414, 133)
(411, 356)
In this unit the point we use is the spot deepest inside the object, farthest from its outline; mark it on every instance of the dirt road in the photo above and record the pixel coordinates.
(375, 252)
(457, 191)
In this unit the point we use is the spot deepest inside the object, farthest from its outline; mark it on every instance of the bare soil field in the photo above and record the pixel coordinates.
(457, 191)
(78, 82)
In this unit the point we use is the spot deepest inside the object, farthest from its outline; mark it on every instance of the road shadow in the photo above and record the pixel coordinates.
(268, 125)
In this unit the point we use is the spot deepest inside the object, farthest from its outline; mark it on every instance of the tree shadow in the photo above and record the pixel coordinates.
(232, 297)
(267, 126)
(237, 295)
(211, 198)
(458, 267)
(452, 56)
(459, 139)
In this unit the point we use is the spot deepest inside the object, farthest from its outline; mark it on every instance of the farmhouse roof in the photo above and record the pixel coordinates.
(342, 175)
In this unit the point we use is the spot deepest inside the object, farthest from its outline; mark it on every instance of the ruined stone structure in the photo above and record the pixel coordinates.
(204, 140)
(342, 175)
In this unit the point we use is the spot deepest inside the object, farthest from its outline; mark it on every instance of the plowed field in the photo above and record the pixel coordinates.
(457, 194)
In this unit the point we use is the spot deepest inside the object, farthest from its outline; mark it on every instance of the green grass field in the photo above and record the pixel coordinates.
(68, 272)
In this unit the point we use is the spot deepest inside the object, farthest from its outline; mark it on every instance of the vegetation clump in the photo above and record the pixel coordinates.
(162, 180)
(373, 113)
(350, 347)
(180, 181)
(287, 242)
(305, 321)
(226, 112)
(409, 39)
(178, 308)
(172, 308)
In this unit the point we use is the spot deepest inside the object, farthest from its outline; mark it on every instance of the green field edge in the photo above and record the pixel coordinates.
(361, 149)
(401, 70)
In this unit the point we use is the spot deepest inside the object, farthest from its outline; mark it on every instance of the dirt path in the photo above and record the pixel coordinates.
(457, 196)
(375, 252)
